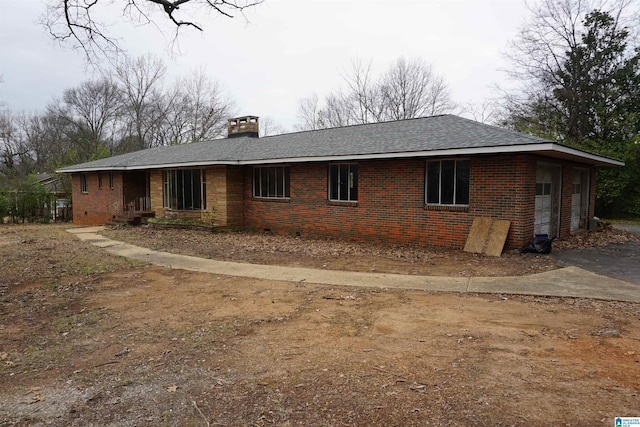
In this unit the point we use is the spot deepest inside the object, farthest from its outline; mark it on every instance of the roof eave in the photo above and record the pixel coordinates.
(548, 149)
(124, 168)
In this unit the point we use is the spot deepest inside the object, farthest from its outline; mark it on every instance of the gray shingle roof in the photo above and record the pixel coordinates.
(446, 132)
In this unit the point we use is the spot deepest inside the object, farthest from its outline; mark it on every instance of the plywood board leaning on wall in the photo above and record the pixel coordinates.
(487, 236)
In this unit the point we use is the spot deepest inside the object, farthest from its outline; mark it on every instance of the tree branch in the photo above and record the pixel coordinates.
(72, 21)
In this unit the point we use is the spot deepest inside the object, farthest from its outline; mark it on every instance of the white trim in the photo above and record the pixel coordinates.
(329, 183)
(548, 149)
(284, 183)
(455, 182)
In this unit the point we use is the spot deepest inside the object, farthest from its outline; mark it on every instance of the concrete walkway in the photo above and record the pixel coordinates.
(565, 282)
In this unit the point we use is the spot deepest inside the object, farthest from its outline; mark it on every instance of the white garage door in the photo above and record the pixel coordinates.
(547, 200)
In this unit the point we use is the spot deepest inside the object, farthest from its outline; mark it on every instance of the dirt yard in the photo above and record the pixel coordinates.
(331, 254)
(87, 338)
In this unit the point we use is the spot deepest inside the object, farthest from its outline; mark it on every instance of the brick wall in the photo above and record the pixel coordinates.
(97, 205)
(391, 205)
(156, 192)
(216, 193)
(503, 187)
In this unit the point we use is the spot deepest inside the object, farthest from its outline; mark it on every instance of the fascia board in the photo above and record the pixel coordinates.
(543, 148)
(528, 148)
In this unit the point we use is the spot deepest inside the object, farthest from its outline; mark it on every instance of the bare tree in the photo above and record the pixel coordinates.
(486, 111)
(76, 22)
(411, 89)
(309, 114)
(338, 111)
(51, 139)
(140, 82)
(408, 89)
(363, 96)
(541, 49)
(269, 127)
(7, 141)
(197, 110)
(15, 154)
(554, 29)
(92, 109)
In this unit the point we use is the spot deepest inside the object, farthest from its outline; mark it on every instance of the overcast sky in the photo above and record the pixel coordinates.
(287, 50)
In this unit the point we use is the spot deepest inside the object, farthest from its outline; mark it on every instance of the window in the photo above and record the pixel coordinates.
(100, 181)
(83, 183)
(271, 182)
(111, 180)
(543, 188)
(448, 182)
(185, 189)
(343, 182)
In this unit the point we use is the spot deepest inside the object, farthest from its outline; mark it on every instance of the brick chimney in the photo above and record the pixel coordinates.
(243, 126)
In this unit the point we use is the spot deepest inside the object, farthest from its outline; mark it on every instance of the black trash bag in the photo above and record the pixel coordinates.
(539, 245)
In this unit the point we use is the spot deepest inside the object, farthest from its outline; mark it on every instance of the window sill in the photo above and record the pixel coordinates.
(447, 208)
(353, 204)
(272, 199)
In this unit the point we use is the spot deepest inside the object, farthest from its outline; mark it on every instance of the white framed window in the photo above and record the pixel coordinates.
(83, 183)
(343, 182)
(447, 182)
(272, 182)
(185, 189)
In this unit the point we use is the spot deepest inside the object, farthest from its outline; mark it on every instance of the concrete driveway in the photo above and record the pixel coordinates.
(618, 260)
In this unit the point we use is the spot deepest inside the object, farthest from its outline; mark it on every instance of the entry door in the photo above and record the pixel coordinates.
(579, 199)
(547, 203)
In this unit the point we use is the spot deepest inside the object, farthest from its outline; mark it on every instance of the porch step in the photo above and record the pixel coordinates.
(135, 219)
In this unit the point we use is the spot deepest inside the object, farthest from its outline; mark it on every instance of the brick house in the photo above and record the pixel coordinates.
(419, 181)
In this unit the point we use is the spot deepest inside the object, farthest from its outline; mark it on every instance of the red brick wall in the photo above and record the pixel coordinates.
(97, 205)
(390, 208)
(391, 203)
(503, 187)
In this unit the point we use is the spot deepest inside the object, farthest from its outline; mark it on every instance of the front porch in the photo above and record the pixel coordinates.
(136, 199)
(135, 212)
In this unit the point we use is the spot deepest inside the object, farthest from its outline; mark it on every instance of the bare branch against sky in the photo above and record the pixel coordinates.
(266, 60)
(77, 22)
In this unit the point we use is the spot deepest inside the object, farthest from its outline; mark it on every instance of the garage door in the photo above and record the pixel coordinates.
(547, 200)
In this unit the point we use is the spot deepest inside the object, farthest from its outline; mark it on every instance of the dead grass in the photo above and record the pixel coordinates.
(331, 254)
(127, 344)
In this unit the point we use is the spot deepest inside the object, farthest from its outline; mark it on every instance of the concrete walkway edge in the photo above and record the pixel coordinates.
(566, 282)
